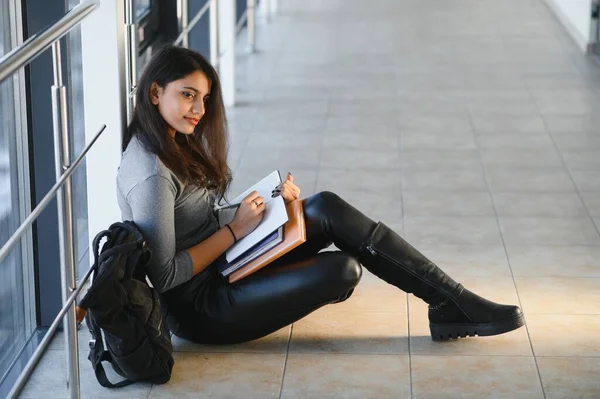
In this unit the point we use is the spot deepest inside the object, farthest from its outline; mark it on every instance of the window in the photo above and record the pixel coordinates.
(16, 309)
(74, 83)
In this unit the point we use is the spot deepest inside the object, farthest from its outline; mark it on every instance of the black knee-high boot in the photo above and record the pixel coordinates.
(453, 310)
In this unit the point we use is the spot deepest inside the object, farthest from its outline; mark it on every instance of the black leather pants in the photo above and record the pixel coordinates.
(209, 310)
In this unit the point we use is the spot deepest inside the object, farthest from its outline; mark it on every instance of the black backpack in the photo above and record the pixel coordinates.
(128, 311)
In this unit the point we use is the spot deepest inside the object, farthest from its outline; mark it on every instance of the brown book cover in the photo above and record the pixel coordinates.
(294, 234)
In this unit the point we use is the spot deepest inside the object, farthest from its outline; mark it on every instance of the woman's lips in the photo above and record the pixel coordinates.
(193, 121)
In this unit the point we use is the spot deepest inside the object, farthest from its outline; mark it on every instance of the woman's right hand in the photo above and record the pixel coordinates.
(248, 215)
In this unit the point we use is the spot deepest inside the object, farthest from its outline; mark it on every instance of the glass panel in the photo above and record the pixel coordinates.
(13, 333)
(142, 7)
(77, 129)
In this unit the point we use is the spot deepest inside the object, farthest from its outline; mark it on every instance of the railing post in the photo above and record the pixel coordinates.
(227, 23)
(265, 8)
(214, 32)
(182, 16)
(251, 13)
(65, 218)
(130, 57)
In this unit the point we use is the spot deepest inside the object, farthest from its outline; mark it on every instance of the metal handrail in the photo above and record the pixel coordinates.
(37, 354)
(9, 64)
(35, 358)
(36, 44)
(187, 28)
(14, 239)
(243, 18)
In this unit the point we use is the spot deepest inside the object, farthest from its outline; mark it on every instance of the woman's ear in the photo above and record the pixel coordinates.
(155, 93)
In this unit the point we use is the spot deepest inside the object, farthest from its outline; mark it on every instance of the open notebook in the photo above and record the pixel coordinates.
(294, 233)
(274, 217)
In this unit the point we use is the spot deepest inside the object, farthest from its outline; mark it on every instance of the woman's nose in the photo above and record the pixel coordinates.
(199, 108)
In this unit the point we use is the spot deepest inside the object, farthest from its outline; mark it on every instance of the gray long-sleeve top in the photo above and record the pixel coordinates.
(171, 216)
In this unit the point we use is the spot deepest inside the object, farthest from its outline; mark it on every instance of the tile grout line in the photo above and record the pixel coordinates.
(400, 153)
(489, 190)
(327, 116)
(410, 372)
(287, 352)
(587, 211)
(150, 393)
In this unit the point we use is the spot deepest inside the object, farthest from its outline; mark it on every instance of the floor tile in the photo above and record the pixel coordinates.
(83, 339)
(592, 202)
(539, 204)
(331, 331)
(276, 342)
(49, 380)
(579, 381)
(445, 180)
(340, 108)
(475, 377)
(521, 158)
(346, 376)
(259, 141)
(554, 261)
(360, 141)
(578, 123)
(569, 107)
(582, 159)
(337, 180)
(287, 159)
(530, 180)
(445, 125)
(525, 108)
(379, 206)
(508, 124)
(372, 295)
(288, 123)
(531, 141)
(514, 343)
(447, 203)
(468, 260)
(572, 140)
(351, 159)
(223, 375)
(440, 159)
(559, 295)
(549, 231)
(564, 335)
(362, 124)
(419, 140)
(451, 230)
(586, 179)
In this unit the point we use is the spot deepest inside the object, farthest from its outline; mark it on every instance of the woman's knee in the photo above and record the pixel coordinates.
(344, 270)
(323, 200)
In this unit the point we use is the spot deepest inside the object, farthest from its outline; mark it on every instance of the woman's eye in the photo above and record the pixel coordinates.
(187, 94)
(206, 98)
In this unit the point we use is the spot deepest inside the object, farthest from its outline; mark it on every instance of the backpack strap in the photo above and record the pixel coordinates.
(99, 354)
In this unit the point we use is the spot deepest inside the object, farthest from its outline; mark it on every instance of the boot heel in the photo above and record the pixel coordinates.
(444, 332)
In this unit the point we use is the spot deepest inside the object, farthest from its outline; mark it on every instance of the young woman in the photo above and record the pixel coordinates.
(173, 171)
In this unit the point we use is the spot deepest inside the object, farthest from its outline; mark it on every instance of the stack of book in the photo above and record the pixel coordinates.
(281, 229)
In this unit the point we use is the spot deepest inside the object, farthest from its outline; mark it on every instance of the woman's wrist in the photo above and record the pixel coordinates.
(232, 232)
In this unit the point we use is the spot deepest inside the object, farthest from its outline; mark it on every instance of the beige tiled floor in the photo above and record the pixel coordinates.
(471, 127)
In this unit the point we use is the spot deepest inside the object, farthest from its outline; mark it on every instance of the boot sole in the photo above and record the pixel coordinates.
(444, 332)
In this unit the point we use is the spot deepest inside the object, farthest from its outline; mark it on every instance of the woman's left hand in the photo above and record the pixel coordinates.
(288, 190)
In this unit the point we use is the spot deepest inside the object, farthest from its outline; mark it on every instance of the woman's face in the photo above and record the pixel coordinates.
(182, 102)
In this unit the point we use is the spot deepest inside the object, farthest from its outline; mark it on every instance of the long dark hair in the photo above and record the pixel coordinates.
(198, 159)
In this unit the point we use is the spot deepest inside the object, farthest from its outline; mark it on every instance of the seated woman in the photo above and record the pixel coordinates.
(174, 168)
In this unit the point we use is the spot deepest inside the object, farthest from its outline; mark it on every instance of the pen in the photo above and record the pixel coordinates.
(235, 206)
